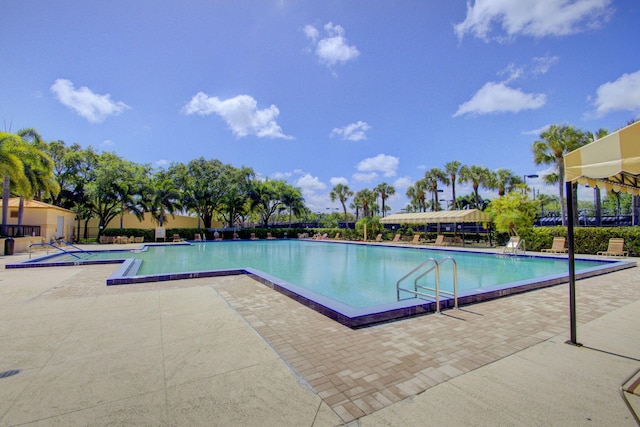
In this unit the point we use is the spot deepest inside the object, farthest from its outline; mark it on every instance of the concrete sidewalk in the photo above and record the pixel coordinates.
(229, 351)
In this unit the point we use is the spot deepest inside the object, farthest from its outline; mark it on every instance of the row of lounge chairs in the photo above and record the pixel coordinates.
(120, 239)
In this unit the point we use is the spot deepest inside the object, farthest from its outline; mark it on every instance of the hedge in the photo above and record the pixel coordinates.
(588, 240)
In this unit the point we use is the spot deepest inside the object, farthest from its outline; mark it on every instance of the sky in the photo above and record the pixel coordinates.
(318, 93)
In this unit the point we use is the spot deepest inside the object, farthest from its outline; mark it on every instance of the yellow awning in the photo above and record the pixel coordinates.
(470, 215)
(612, 162)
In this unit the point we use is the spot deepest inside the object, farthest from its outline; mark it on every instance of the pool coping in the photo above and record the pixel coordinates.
(340, 312)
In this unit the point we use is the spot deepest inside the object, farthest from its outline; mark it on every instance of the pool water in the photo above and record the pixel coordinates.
(355, 275)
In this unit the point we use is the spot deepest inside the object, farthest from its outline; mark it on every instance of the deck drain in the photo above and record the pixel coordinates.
(10, 373)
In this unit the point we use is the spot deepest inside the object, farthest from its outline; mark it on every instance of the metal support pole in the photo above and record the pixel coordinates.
(572, 267)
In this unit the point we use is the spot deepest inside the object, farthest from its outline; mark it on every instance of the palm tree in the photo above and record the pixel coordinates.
(385, 190)
(292, 199)
(416, 193)
(452, 168)
(432, 177)
(550, 149)
(342, 193)
(12, 170)
(477, 176)
(506, 181)
(366, 198)
(164, 197)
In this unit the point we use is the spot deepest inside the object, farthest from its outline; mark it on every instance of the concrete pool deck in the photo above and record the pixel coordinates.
(230, 351)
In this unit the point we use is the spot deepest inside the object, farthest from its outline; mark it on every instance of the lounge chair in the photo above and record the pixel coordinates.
(557, 247)
(337, 236)
(197, 237)
(253, 236)
(416, 239)
(270, 237)
(379, 238)
(440, 240)
(616, 248)
(176, 238)
(396, 238)
(139, 239)
(514, 243)
(236, 236)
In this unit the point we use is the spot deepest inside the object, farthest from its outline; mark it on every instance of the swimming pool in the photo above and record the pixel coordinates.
(352, 283)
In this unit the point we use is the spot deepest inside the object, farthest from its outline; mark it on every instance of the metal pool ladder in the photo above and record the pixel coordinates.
(424, 291)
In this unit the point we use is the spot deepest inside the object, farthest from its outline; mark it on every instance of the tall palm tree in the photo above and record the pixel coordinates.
(342, 193)
(452, 168)
(550, 149)
(506, 181)
(12, 170)
(164, 197)
(385, 190)
(292, 198)
(432, 177)
(366, 198)
(416, 193)
(478, 176)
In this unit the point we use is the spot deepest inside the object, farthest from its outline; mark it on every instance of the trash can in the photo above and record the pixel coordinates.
(8, 246)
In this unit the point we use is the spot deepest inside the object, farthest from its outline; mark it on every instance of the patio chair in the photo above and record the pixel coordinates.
(337, 236)
(416, 239)
(176, 238)
(270, 237)
(440, 240)
(139, 239)
(253, 236)
(514, 243)
(396, 238)
(197, 237)
(236, 236)
(557, 247)
(379, 238)
(631, 387)
(616, 248)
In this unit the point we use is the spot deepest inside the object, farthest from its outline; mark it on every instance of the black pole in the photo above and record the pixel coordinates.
(572, 266)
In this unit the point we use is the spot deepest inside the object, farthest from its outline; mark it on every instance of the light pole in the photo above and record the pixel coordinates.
(525, 182)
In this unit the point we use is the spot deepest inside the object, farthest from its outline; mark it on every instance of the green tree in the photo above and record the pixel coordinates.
(506, 181)
(162, 197)
(550, 149)
(12, 170)
(478, 176)
(293, 200)
(452, 168)
(385, 190)
(366, 198)
(512, 212)
(417, 194)
(342, 193)
(235, 200)
(267, 198)
(432, 178)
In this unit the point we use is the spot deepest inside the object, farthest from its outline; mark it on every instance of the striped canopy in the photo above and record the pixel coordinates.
(612, 162)
(470, 215)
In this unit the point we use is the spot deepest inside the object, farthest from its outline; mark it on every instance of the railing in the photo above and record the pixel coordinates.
(46, 246)
(23, 230)
(425, 291)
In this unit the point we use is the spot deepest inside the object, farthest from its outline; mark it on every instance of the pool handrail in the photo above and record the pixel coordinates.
(437, 291)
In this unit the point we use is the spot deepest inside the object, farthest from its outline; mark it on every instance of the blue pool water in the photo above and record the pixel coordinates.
(353, 277)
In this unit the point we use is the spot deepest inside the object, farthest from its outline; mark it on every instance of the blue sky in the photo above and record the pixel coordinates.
(317, 93)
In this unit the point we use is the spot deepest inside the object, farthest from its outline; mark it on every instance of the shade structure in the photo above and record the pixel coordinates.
(467, 215)
(611, 162)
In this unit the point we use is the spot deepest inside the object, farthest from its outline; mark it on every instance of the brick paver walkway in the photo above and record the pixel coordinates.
(357, 372)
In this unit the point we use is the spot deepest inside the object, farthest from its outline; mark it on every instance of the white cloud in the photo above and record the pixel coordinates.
(333, 48)
(339, 180)
(541, 64)
(352, 132)
(241, 114)
(93, 107)
(402, 183)
(388, 165)
(535, 18)
(499, 98)
(162, 163)
(107, 143)
(365, 177)
(622, 94)
(310, 184)
(536, 132)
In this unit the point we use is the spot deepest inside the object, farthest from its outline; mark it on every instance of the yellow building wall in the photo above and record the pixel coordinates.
(43, 215)
(130, 221)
